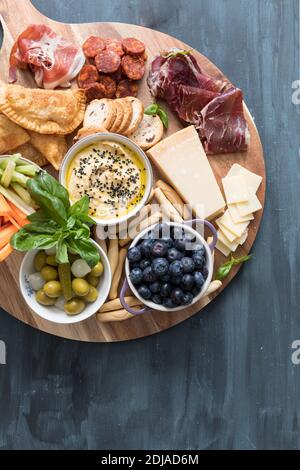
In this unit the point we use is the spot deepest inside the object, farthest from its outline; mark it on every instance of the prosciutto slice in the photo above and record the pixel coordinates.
(53, 59)
(214, 106)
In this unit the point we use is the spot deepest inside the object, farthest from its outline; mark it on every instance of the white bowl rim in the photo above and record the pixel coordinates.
(118, 138)
(209, 262)
(23, 158)
(68, 319)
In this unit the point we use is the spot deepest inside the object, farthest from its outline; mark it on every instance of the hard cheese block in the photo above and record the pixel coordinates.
(182, 160)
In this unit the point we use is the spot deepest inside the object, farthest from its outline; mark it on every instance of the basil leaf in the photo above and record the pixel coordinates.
(52, 186)
(151, 109)
(82, 232)
(80, 207)
(241, 260)
(163, 116)
(225, 269)
(51, 205)
(39, 216)
(86, 250)
(24, 241)
(43, 227)
(62, 251)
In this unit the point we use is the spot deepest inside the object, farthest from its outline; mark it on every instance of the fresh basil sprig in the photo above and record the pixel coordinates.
(225, 269)
(155, 109)
(57, 223)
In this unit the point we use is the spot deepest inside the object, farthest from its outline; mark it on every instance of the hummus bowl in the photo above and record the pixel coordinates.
(113, 171)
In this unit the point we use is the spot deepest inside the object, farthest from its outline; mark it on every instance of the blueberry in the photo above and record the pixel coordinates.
(188, 281)
(134, 254)
(165, 289)
(176, 280)
(156, 298)
(136, 276)
(155, 287)
(149, 275)
(144, 263)
(190, 238)
(173, 254)
(199, 260)
(196, 291)
(180, 244)
(177, 296)
(205, 272)
(199, 249)
(188, 264)
(166, 278)
(160, 266)
(159, 249)
(168, 303)
(198, 279)
(144, 292)
(145, 247)
(161, 230)
(168, 241)
(176, 268)
(187, 298)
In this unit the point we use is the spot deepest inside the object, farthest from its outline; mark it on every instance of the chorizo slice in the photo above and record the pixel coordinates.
(133, 67)
(109, 86)
(114, 45)
(105, 88)
(87, 75)
(107, 61)
(126, 88)
(133, 46)
(92, 46)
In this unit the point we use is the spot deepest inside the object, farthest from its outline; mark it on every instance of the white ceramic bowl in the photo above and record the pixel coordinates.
(52, 313)
(120, 139)
(209, 266)
(23, 159)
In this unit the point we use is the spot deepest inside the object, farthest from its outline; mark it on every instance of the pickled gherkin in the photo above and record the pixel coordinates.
(64, 273)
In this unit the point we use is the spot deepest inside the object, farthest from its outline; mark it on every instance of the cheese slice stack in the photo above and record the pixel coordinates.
(240, 187)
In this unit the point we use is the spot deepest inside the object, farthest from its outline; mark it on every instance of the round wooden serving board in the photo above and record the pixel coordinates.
(15, 17)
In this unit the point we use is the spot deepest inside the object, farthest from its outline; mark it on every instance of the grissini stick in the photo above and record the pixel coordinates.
(166, 207)
(115, 304)
(153, 219)
(113, 254)
(113, 294)
(173, 197)
(145, 211)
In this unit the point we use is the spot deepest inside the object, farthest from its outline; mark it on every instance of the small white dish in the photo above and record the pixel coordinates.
(52, 313)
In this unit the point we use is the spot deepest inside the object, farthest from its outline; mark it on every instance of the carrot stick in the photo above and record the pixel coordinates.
(5, 252)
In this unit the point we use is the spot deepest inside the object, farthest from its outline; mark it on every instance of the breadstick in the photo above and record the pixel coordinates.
(116, 304)
(117, 315)
(213, 286)
(150, 196)
(153, 219)
(102, 243)
(172, 196)
(113, 293)
(113, 254)
(145, 211)
(166, 207)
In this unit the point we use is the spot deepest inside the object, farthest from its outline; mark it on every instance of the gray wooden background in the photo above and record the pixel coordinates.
(223, 379)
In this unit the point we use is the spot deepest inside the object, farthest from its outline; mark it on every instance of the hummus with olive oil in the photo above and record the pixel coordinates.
(111, 174)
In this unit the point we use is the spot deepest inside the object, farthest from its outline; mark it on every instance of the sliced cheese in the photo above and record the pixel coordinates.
(236, 216)
(244, 237)
(246, 208)
(223, 239)
(253, 181)
(235, 189)
(236, 229)
(183, 162)
(222, 248)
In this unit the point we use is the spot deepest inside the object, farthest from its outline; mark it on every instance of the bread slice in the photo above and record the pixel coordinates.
(127, 115)
(137, 114)
(99, 113)
(149, 132)
(85, 131)
(119, 113)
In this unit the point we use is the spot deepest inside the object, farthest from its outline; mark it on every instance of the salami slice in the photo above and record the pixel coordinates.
(133, 46)
(92, 46)
(104, 88)
(87, 75)
(133, 67)
(109, 86)
(107, 61)
(118, 75)
(126, 88)
(114, 45)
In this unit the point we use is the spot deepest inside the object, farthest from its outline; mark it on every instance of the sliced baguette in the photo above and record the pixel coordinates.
(99, 113)
(127, 115)
(119, 113)
(149, 132)
(137, 114)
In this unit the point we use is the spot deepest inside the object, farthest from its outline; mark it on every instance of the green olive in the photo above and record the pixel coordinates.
(39, 260)
(53, 289)
(80, 286)
(43, 299)
(74, 306)
(97, 270)
(51, 260)
(49, 273)
(92, 280)
(92, 296)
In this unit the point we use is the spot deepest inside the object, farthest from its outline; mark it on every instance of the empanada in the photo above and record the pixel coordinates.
(11, 135)
(43, 111)
(53, 147)
(32, 154)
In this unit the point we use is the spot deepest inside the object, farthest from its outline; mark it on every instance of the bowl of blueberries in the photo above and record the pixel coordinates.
(169, 267)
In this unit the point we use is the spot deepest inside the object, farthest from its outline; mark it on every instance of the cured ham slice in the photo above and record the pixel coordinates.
(54, 60)
(214, 106)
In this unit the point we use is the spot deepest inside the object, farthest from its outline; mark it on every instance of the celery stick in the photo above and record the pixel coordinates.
(23, 193)
(8, 172)
(16, 200)
(19, 178)
(28, 170)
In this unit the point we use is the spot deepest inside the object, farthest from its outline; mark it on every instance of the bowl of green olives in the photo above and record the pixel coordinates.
(64, 293)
